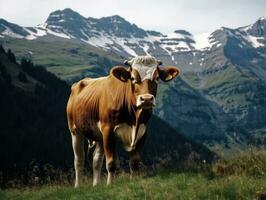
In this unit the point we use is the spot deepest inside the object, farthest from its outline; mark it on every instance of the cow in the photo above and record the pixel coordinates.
(114, 108)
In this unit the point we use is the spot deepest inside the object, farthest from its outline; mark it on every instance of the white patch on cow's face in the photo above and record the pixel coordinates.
(145, 71)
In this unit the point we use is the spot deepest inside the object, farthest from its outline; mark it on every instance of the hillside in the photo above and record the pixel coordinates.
(33, 122)
(69, 60)
(184, 186)
(34, 128)
(241, 177)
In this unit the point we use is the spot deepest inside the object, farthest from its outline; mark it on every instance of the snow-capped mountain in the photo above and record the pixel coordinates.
(112, 33)
(119, 36)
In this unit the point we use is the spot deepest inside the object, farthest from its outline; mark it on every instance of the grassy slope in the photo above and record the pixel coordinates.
(240, 177)
(230, 87)
(67, 59)
(160, 186)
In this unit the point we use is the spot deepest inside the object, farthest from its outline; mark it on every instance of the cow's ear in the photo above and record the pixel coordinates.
(121, 73)
(168, 73)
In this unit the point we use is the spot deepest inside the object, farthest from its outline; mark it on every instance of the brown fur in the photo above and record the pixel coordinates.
(94, 100)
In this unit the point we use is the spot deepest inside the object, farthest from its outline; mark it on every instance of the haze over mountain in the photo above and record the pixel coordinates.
(220, 95)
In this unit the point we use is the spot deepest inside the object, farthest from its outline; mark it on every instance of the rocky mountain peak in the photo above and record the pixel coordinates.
(116, 19)
(119, 27)
(66, 14)
(258, 28)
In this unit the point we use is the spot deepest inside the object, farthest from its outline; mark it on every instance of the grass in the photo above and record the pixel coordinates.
(240, 177)
(69, 73)
(251, 163)
(163, 185)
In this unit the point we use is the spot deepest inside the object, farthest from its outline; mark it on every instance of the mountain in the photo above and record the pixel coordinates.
(219, 97)
(111, 33)
(34, 129)
(116, 34)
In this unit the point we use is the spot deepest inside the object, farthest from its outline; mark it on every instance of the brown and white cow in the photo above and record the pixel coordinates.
(115, 107)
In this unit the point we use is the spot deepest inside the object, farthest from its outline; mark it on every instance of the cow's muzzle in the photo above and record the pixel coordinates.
(146, 101)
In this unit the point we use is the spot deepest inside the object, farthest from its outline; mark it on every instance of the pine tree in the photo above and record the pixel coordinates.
(22, 77)
(11, 56)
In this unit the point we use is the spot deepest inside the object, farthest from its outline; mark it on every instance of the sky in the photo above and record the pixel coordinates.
(195, 16)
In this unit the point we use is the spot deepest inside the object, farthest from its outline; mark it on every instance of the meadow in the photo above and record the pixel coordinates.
(240, 177)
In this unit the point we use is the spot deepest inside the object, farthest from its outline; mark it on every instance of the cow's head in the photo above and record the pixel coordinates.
(144, 73)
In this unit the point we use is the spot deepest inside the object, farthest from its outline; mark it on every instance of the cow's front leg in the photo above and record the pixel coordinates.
(135, 158)
(109, 151)
(78, 149)
(134, 162)
(97, 162)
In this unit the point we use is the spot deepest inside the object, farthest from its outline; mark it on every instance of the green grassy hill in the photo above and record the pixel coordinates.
(161, 186)
(68, 59)
(243, 177)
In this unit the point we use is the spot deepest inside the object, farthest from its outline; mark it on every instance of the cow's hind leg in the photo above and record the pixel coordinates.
(98, 156)
(79, 156)
(109, 151)
(134, 163)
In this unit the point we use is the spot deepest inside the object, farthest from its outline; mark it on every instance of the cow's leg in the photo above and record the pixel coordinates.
(134, 156)
(79, 156)
(134, 162)
(109, 151)
(98, 155)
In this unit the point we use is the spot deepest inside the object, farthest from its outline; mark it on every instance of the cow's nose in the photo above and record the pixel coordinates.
(146, 98)
(145, 101)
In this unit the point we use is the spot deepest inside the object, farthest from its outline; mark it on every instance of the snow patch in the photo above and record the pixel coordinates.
(10, 33)
(167, 48)
(58, 34)
(101, 41)
(104, 41)
(146, 48)
(202, 41)
(173, 58)
(254, 41)
(125, 47)
(218, 45)
(83, 33)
